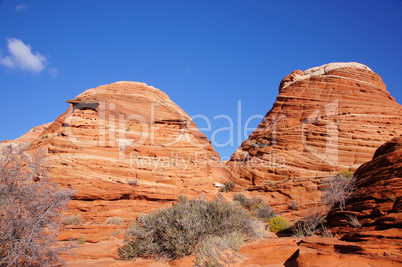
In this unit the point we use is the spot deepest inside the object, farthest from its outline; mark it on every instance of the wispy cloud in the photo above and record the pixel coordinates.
(22, 58)
(20, 7)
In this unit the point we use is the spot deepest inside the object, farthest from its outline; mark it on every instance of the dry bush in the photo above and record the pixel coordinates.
(73, 220)
(353, 221)
(30, 207)
(228, 187)
(311, 223)
(337, 189)
(181, 229)
(114, 220)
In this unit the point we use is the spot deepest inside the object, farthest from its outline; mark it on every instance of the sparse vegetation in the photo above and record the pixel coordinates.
(353, 221)
(278, 224)
(133, 182)
(265, 213)
(30, 207)
(337, 189)
(82, 240)
(190, 227)
(257, 206)
(228, 187)
(294, 205)
(114, 220)
(253, 203)
(309, 225)
(73, 219)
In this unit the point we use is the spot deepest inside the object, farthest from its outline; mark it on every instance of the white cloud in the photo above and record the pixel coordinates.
(20, 7)
(21, 57)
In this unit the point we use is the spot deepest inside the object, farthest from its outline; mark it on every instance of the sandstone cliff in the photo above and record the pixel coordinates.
(126, 148)
(325, 120)
(376, 204)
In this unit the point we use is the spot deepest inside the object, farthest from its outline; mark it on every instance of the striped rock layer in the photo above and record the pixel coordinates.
(325, 120)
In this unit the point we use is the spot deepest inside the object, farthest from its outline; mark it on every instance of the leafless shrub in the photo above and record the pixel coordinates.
(73, 220)
(133, 182)
(114, 220)
(294, 205)
(309, 225)
(228, 187)
(30, 207)
(353, 221)
(337, 189)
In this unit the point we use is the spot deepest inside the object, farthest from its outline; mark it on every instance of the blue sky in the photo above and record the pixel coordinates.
(206, 55)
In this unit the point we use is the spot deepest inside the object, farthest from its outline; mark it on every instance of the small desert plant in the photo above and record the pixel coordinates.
(294, 205)
(133, 182)
(325, 232)
(228, 187)
(114, 220)
(265, 213)
(242, 199)
(337, 189)
(81, 240)
(278, 224)
(73, 220)
(215, 250)
(309, 225)
(353, 221)
(179, 230)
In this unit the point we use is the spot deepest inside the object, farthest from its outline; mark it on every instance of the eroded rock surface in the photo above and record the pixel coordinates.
(126, 149)
(325, 120)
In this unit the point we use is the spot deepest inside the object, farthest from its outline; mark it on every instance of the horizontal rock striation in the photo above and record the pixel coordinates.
(126, 148)
(325, 120)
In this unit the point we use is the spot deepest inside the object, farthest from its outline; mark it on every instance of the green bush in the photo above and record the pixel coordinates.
(181, 229)
(278, 224)
(228, 187)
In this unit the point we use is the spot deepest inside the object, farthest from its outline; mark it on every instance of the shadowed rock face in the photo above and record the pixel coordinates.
(126, 148)
(376, 204)
(377, 201)
(325, 120)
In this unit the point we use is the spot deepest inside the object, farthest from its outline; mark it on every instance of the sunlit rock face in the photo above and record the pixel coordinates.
(325, 120)
(126, 148)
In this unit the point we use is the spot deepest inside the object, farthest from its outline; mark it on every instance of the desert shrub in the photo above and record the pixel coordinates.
(337, 189)
(242, 199)
(30, 207)
(228, 187)
(73, 219)
(353, 221)
(265, 213)
(179, 230)
(309, 225)
(133, 182)
(253, 203)
(82, 240)
(215, 250)
(294, 205)
(114, 220)
(278, 224)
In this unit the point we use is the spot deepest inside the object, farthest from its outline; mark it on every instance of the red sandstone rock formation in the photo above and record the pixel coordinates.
(325, 120)
(126, 149)
(376, 204)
